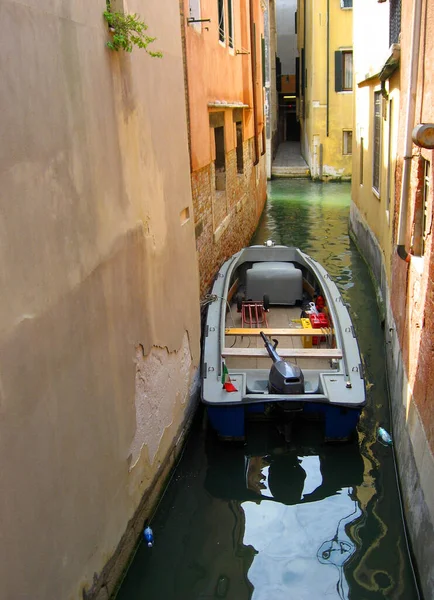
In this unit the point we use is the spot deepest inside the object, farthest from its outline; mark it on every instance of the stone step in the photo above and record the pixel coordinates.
(299, 172)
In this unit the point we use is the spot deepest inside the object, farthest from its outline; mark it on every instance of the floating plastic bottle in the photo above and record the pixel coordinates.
(148, 534)
(384, 436)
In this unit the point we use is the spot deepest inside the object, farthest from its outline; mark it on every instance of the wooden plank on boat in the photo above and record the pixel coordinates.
(284, 352)
(286, 331)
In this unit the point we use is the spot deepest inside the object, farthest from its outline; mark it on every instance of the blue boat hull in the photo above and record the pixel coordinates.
(340, 423)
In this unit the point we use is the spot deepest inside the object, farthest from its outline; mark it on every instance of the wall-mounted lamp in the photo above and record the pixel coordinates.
(423, 135)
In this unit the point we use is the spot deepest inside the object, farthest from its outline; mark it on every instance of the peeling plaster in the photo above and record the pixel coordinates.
(162, 381)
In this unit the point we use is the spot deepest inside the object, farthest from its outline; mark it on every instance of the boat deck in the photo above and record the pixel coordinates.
(247, 351)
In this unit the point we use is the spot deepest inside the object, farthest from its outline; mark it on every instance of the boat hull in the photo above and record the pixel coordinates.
(229, 422)
(332, 387)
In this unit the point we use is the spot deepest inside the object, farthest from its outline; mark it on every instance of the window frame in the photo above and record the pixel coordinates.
(346, 53)
(345, 136)
(341, 70)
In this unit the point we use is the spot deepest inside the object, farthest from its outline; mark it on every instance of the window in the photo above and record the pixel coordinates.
(377, 143)
(348, 70)
(230, 24)
(343, 70)
(240, 155)
(347, 141)
(220, 162)
(361, 161)
(421, 208)
(389, 159)
(394, 21)
(221, 15)
(346, 3)
(194, 12)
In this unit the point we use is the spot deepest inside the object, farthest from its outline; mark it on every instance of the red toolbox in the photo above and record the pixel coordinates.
(318, 321)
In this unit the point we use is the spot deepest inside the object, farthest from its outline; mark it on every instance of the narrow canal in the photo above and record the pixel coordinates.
(296, 520)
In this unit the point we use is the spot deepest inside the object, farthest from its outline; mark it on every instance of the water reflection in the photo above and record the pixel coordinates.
(297, 500)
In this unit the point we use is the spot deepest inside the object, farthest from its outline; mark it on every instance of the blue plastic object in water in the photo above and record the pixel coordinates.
(148, 534)
(384, 436)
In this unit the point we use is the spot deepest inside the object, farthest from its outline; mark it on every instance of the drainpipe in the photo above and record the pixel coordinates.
(409, 123)
(253, 57)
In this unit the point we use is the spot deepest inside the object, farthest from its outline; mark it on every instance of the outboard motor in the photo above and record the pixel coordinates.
(284, 378)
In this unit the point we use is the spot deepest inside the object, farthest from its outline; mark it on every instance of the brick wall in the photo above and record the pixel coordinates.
(226, 220)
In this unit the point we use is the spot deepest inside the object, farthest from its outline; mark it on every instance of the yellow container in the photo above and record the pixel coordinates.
(306, 339)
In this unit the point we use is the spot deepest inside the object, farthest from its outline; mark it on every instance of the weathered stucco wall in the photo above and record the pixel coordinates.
(225, 87)
(99, 287)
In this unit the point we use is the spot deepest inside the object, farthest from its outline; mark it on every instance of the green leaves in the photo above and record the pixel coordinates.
(128, 31)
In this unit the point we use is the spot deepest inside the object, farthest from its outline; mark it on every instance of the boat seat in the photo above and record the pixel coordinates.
(284, 331)
(285, 352)
(257, 386)
(282, 282)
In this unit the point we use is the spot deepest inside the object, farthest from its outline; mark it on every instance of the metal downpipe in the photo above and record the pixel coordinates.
(409, 124)
(253, 65)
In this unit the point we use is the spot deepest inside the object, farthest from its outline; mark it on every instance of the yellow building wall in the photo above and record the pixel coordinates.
(376, 208)
(327, 113)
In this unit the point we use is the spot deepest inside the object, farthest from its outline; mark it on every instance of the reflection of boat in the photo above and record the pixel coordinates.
(267, 469)
(256, 300)
(298, 501)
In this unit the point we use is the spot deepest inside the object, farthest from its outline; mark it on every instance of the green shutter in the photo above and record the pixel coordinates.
(263, 60)
(338, 71)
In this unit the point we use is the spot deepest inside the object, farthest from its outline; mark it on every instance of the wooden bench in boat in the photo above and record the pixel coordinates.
(276, 332)
(284, 352)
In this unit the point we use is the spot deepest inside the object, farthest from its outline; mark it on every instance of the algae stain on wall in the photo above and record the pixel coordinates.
(162, 381)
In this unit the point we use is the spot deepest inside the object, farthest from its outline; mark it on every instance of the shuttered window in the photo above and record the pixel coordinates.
(221, 13)
(343, 70)
(231, 24)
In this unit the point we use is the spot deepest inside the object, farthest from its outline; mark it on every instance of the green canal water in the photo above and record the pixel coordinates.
(298, 520)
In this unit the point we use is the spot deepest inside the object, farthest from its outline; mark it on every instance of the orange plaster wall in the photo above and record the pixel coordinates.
(216, 72)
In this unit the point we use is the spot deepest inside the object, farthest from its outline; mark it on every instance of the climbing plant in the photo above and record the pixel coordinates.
(128, 31)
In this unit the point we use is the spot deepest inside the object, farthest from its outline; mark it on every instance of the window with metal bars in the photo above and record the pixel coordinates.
(394, 21)
(221, 15)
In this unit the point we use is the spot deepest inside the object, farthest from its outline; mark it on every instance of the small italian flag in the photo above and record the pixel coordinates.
(226, 380)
